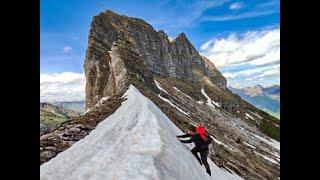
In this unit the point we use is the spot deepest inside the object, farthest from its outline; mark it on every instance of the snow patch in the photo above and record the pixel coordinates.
(271, 142)
(210, 102)
(215, 103)
(277, 155)
(248, 115)
(143, 147)
(200, 102)
(275, 144)
(88, 110)
(223, 144)
(267, 158)
(173, 105)
(255, 114)
(159, 86)
(249, 145)
(102, 100)
(181, 92)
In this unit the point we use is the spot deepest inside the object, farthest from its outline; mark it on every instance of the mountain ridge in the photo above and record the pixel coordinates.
(144, 149)
(125, 51)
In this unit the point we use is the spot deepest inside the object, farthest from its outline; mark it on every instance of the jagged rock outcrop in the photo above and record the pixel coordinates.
(214, 74)
(176, 59)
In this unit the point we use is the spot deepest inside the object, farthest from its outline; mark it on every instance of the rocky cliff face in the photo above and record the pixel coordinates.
(184, 85)
(177, 59)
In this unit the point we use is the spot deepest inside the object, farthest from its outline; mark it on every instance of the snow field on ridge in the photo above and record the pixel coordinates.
(135, 142)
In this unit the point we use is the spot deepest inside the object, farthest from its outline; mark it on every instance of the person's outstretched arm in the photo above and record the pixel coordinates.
(184, 136)
(187, 141)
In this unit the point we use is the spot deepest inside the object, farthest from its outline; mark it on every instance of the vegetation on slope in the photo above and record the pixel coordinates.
(52, 116)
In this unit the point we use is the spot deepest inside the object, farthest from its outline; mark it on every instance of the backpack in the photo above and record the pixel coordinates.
(202, 132)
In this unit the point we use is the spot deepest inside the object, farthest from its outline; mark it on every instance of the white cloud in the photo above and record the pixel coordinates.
(66, 86)
(245, 15)
(249, 74)
(271, 72)
(252, 81)
(236, 5)
(253, 47)
(237, 85)
(229, 75)
(67, 49)
(264, 75)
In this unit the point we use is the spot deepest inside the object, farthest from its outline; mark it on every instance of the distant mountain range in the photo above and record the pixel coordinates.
(265, 98)
(78, 106)
(52, 116)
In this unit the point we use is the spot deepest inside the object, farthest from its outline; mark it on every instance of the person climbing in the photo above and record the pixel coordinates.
(201, 141)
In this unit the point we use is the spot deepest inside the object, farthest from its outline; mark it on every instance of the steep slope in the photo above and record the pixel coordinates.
(52, 116)
(136, 142)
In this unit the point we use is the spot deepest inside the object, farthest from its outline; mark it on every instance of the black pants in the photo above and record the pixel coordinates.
(204, 155)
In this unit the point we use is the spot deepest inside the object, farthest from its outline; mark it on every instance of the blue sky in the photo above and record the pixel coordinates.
(249, 30)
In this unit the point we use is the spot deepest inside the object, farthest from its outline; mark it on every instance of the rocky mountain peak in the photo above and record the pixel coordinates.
(258, 86)
(259, 90)
(177, 59)
(162, 33)
(253, 91)
(182, 37)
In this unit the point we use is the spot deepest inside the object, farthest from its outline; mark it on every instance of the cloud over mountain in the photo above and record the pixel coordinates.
(252, 56)
(252, 47)
(65, 86)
